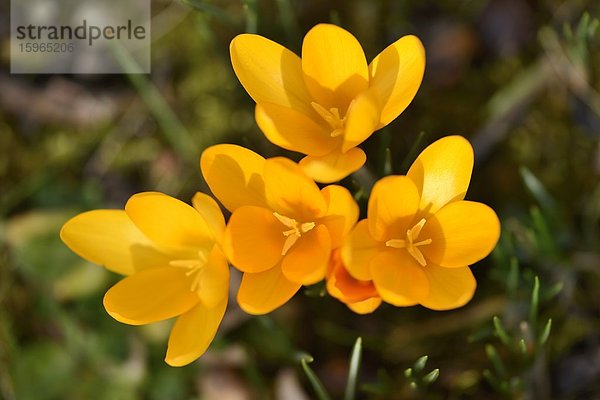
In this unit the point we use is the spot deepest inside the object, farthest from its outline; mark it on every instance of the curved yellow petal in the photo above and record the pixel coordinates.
(307, 260)
(213, 279)
(169, 222)
(359, 249)
(151, 295)
(442, 173)
(448, 287)
(253, 239)
(396, 74)
(265, 291)
(366, 306)
(208, 209)
(111, 239)
(393, 203)
(398, 278)
(341, 215)
(334, 166)
(461, 233)
(293, 130)
(361, 120)
(269, 72)
(193, 332)
(291, 192)
(234, 175)
(334, 65)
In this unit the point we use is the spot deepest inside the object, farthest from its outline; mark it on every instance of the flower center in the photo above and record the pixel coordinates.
(294, 233)
(194, 266)
(411, 244)
(332, 117)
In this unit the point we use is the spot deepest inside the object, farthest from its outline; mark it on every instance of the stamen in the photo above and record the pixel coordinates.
(307, 226)
(194, 266)
(410, 244)
(292, 235)
(332, 117)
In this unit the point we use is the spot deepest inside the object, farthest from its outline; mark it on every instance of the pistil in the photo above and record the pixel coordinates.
(294, 233)
(411, 244)
(332, 117)
(194, 266)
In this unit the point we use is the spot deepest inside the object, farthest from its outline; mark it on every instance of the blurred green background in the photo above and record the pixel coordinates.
(519, 78)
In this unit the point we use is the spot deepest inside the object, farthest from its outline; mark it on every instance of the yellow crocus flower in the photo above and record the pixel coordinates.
(329, 101)
(420, 236)
(282, 228)
(171, 256)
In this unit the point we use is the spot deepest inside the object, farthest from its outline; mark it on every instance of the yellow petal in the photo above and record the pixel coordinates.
(291, 192)
(448, 287)
(234, 175)
(265, 291)
(213, 279)
(151, 295)
(334, 166)
(398, 278)
(461, 233)
(111, 239)
(396, 74)
(366, 306)
(359, 249)
(169, 222)
(334, 65)
(293, 130)
(193, 332)
(393, 204)
(208, 209)
(269, 72)
(442, 173)
(341, 215)
(362, 119)
(307, 260)
(253, 239)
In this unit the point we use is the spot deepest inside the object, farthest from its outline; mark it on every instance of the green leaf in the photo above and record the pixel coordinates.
(420, 363)
(251, 16)
(539, 192)
(545, 332)
(500, 332)
(350, 392)
(431, 377)
(313, 379)
(535, 298)
(492, 354)
(523, 347)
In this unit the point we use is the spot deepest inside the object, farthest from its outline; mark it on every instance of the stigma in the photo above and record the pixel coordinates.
(294, 233)
(411, 243)
(332, 117)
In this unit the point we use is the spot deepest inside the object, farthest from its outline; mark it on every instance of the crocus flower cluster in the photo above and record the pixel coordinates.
(415, 245)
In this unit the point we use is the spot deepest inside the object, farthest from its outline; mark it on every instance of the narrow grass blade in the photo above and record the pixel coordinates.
(535, 298)
(420, 363)
(314, 380)
(545, 332)
(350, 392)
(431, 377)
(495, 359)
(500, 332)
